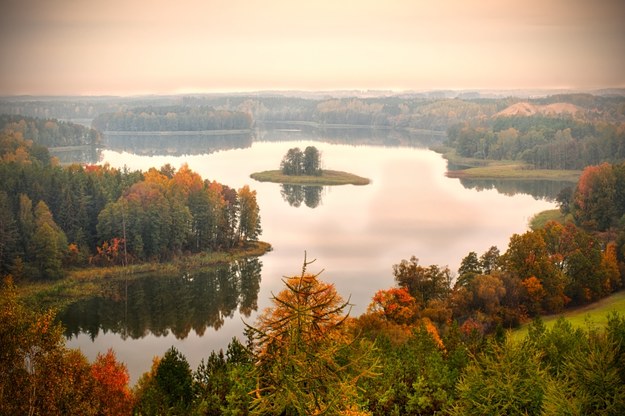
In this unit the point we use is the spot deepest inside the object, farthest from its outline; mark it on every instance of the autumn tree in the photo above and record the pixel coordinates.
(528, 256)
(40, 375)
(594, 198)
(395, 305)
(580, 257)
(249, 215)
(307, 363)
(153, 224)
(111, 385)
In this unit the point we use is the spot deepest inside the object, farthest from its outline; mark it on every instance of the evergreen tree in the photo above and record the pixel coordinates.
(174, 379)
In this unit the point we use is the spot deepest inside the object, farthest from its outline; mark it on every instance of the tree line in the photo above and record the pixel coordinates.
(173, 118)
(49, 132)
(54, 217)
(405, 111)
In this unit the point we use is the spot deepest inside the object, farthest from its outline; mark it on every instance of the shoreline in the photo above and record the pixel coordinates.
(472, 168)
(90, 281)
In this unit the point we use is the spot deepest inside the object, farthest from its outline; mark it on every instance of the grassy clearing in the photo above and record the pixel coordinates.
(539, 220)
(595, 314)
(502, 169)
(328, 177)
(84, 283)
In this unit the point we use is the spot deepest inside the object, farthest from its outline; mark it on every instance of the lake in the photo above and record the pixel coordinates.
(355, 233)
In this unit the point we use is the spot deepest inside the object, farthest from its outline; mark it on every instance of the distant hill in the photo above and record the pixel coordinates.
(528, 109)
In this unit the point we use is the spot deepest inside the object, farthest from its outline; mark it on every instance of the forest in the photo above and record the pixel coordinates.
(541, 141)
(57, 217)
(431, 344)
(49, 132)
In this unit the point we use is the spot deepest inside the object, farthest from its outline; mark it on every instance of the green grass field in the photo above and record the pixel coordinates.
(328, 177)
(595, 314)
(501, 169)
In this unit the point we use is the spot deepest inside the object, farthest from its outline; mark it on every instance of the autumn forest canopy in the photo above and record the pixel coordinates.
(435, 342)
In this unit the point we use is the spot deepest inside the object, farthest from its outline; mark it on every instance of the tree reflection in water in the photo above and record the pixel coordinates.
(296, 194)
(159, 304)
(539, 189)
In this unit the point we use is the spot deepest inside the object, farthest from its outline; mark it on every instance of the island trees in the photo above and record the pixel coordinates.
(297, 163)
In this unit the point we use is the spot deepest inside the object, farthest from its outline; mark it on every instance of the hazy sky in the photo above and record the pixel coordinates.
(155, 46)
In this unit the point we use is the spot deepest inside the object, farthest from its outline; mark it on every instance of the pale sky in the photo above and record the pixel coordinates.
(127, 47)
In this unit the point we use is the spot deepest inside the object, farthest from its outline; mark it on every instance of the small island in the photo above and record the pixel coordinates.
(304, 168)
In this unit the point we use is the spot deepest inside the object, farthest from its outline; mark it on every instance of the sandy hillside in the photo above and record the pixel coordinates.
(527, 109)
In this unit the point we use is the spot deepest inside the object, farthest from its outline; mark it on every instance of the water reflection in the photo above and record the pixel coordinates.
(164, 304)
(76, 154)
(539, 189)
(153, 144)
(365, 135)
(296, 194)
(177, 144)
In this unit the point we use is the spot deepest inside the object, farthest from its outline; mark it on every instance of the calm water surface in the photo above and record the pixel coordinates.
(356, 233)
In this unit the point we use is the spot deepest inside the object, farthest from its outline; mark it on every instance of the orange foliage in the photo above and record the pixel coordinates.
(308, 309)
(187, 181)
(534, 288)
(156, 177)
(609, 263)
(74, 255)
(535, 294)
(395, 304)
(431, 329)
(109, 253)
(111, 388)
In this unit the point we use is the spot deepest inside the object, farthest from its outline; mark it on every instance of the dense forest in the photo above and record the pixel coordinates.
(549, 142)
(55, 217)
(436, 342)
